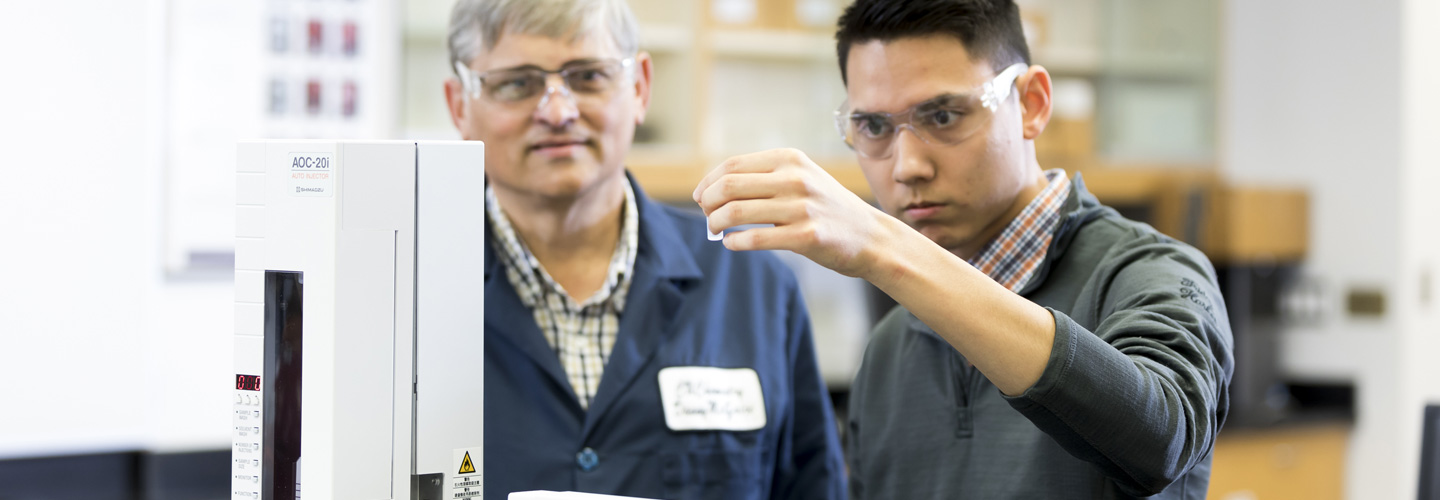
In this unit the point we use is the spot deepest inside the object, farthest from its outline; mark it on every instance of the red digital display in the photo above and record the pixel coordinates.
(247, 382)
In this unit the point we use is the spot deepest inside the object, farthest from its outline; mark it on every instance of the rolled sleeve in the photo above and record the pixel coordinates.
(1144, 395)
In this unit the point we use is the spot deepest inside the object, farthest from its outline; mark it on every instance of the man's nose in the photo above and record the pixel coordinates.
(557, 108)
(911, 164)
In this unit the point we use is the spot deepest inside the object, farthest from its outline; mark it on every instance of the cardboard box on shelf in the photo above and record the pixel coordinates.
(1232, 224)
(755, 14)
(793, 15)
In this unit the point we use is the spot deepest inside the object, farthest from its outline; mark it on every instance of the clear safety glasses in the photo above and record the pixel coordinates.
(947, 119)
(590, 80)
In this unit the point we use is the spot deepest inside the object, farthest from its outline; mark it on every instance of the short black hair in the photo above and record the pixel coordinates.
(990, 30)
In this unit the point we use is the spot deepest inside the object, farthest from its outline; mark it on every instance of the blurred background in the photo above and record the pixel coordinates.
(1285, 138)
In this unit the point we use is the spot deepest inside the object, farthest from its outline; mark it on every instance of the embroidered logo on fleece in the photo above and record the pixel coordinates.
(1190, 291)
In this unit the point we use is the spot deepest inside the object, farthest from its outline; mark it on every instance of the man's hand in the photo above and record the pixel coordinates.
(814, 215)
(1006, 336)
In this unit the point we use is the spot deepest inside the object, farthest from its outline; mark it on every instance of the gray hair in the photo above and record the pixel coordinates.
(476, 25)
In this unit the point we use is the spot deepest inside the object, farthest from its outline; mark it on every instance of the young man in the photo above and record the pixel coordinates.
(1044, 346)
(624, 353)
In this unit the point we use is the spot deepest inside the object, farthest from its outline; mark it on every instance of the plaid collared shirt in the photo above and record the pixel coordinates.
(1012, 257)
(582, 335)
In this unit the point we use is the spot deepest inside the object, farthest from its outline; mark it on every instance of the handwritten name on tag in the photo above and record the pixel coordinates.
(706, 398)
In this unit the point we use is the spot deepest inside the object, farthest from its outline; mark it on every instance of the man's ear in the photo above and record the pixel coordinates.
(455, 97)
(1035, 100)
(644, 71)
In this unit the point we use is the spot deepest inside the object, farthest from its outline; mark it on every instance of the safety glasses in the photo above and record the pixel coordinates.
(947, 119)
(583, 80)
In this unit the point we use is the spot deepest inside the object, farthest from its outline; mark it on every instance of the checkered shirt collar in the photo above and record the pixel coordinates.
(1013, 256)
(532, 281)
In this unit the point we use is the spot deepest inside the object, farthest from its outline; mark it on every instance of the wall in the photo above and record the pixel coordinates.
(99, 350)
(1420, 242)
(1328, 95)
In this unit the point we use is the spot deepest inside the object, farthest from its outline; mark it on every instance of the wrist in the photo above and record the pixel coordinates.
(890, 252)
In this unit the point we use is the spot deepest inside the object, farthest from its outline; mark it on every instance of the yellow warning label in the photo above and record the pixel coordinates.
(466, 467)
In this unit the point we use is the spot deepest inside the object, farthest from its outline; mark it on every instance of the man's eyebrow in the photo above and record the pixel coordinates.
(939, 100)
(577, 62)
(526, 67)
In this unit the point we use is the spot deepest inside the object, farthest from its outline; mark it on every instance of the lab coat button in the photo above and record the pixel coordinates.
(587, 459)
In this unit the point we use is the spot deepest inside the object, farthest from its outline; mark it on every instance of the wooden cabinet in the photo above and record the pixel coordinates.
(1232, 224)
(1303, 463)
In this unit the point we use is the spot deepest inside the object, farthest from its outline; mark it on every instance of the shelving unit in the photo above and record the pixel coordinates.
(1150, 67)
(720, 89)
(735, 88)
(739, 76)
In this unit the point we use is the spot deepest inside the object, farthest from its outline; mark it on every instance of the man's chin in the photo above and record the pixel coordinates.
(570, 180)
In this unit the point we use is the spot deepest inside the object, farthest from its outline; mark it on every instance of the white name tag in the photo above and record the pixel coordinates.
(702, 398)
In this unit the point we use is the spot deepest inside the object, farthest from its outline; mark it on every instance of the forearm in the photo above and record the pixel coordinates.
(1006, 337)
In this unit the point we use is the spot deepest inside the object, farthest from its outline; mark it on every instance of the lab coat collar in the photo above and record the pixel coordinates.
(662, 241)
(508, 320)
(665, 269)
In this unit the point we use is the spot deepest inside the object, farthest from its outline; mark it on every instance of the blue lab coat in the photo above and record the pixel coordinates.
(691, 303)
